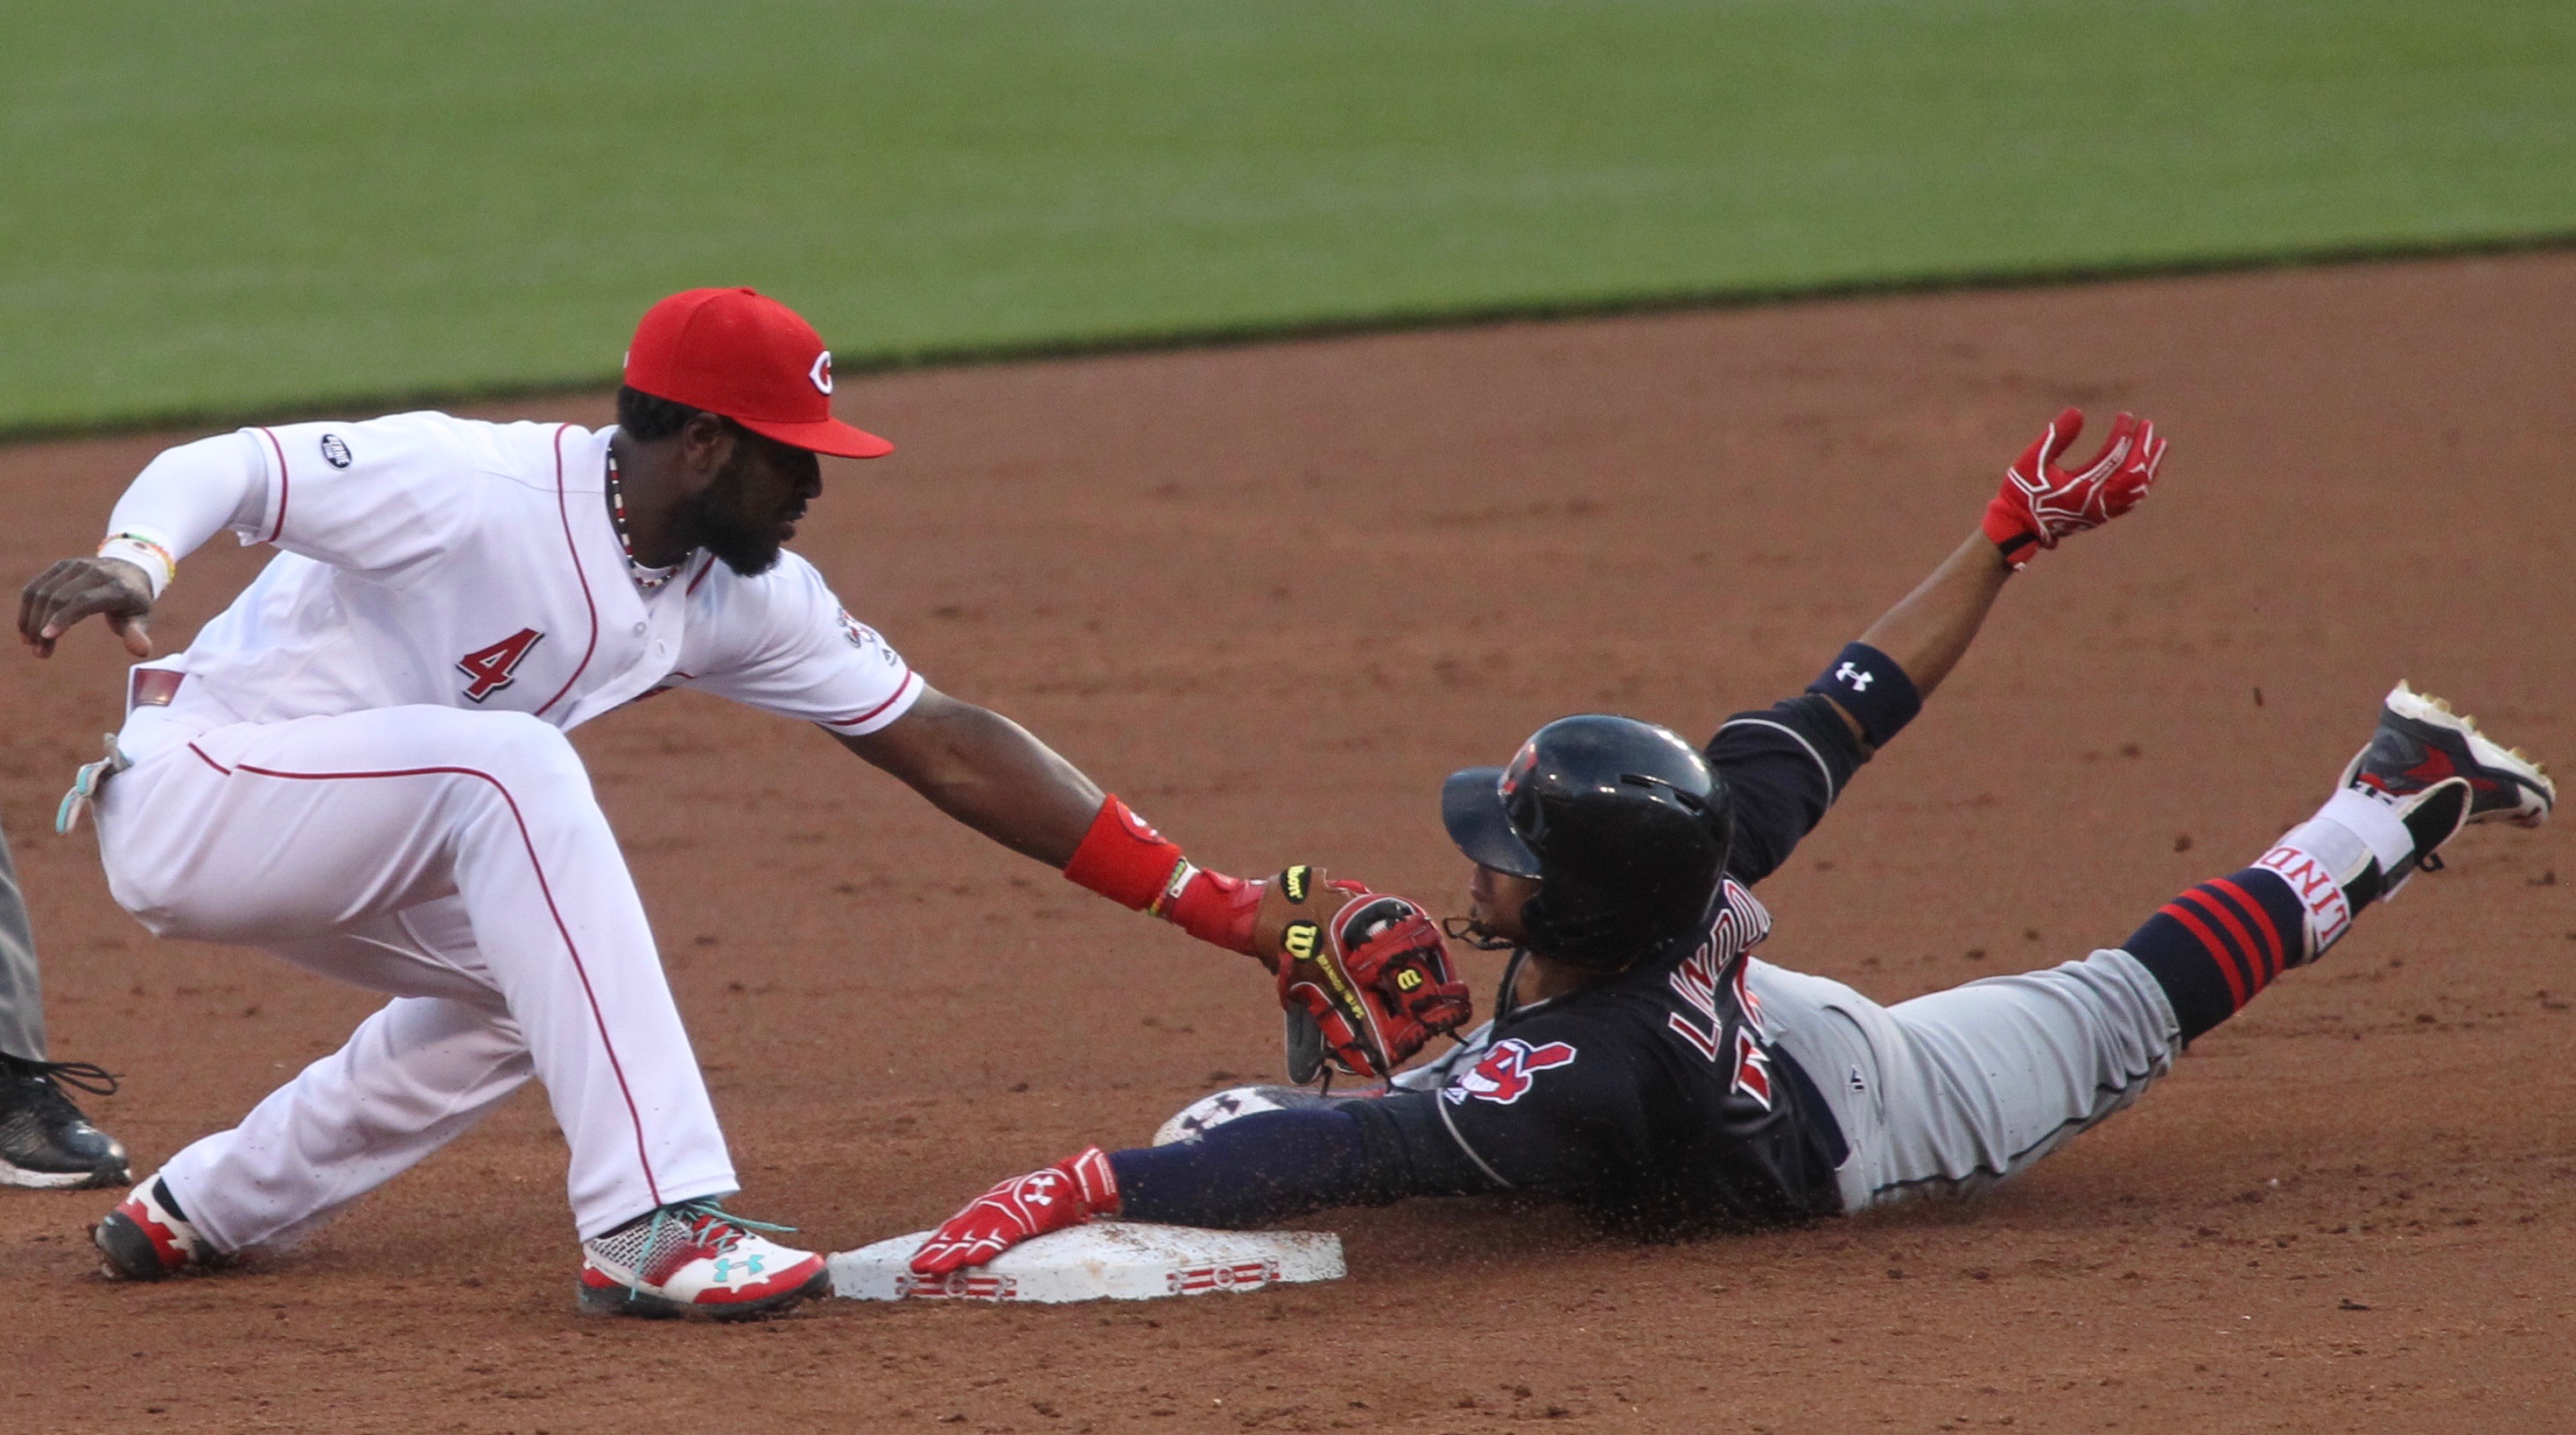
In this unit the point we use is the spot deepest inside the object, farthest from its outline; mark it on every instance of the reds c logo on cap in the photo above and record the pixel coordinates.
(734, 352)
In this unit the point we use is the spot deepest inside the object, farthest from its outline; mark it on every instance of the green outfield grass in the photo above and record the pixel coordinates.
(218, 208)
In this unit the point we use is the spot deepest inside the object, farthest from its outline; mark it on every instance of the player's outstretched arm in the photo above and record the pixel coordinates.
(1787, 764)
(988, 772)
(2039, 505)
(1255, 1171)
(1389, 988)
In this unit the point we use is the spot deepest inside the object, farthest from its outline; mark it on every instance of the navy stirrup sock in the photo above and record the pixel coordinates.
(2219, 944)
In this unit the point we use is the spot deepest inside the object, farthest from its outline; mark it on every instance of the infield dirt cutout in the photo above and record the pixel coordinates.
(1271, 596)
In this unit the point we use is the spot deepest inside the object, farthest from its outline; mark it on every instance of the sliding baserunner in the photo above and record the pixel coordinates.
(1643, 1065)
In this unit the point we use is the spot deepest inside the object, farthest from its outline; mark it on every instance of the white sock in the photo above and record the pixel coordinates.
(2323, 855)
(2371, 819)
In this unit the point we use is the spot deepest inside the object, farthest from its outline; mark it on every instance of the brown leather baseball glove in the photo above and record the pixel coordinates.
(1364, 976)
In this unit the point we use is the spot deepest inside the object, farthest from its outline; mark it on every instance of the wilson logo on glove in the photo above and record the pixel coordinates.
(1365, 977)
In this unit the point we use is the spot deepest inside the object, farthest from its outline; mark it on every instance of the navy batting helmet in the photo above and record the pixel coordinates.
(1623, 823)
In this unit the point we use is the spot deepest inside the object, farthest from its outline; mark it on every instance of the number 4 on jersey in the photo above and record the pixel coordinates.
(490, 668)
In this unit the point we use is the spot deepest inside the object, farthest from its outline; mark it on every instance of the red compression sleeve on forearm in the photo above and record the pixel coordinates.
(1123, 859)
(1128, 862)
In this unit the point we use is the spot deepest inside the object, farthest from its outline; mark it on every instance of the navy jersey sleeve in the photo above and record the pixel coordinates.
(1558, 1108)
(1787, 763)
(1274, 1165)
(1784, 765)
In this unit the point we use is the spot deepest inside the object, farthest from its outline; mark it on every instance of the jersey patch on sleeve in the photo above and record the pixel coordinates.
(1506, 1073)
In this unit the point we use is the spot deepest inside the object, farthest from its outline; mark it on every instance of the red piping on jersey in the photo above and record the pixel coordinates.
(563, 505)
(615, 1066)
(279, 526)
(701, 578)
(208, 761)
(899, 690)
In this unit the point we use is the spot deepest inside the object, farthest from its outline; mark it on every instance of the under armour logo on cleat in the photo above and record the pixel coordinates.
(750, 1266)
(1851, 673)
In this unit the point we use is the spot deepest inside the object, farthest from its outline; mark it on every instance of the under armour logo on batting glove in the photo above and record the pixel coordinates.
(1065, 1194)
(2041, 503)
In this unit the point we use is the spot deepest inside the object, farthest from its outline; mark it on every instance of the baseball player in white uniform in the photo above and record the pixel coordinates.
(360, 765)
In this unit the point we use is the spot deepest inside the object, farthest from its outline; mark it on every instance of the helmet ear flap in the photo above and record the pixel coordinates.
(1604, 941)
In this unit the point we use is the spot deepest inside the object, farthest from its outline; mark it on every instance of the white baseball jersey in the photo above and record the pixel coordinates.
(365, 773)
(438, 560)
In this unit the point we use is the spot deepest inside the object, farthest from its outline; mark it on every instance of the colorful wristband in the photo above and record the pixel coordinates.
(159, 568)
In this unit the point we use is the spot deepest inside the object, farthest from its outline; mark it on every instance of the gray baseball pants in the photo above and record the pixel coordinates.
(1951, 1092)
(22, 1003)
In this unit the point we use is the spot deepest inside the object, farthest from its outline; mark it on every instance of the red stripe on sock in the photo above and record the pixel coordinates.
(2255, 967)
(2217, 951)
(2274, 947)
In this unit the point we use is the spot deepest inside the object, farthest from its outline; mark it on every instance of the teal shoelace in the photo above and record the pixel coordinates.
(693, 1211)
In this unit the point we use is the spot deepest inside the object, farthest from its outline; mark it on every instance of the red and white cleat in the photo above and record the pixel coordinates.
(147, 1238)
(695, 1259)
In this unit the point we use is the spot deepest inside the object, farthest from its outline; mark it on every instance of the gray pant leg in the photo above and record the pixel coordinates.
(22, 1000)
(1949, 1093)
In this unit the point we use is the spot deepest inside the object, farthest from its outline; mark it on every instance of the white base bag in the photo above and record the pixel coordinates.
(1105, 1260)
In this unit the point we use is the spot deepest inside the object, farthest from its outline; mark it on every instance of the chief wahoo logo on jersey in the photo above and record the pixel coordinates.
(1506, 1073)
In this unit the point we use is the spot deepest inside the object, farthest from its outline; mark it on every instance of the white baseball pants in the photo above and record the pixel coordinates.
(1956, 1090)
(459, 861)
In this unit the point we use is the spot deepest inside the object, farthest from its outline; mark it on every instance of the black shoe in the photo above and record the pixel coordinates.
(45, 1142)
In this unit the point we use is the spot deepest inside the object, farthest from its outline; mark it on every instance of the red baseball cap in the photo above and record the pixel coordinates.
(741, 354)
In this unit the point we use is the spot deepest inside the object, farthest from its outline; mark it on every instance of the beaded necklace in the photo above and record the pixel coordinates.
(645, 578)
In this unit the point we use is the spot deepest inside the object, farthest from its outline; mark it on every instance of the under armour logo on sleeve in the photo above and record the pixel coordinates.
(1853, 674)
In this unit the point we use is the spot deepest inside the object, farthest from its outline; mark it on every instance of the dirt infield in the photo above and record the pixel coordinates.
(2347, 1210)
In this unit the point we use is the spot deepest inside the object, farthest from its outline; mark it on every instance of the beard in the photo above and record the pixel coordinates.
(716, 518)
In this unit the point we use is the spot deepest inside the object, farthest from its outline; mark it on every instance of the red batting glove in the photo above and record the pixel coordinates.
(1216, 908)
(2041, 503)
(1065, 1194)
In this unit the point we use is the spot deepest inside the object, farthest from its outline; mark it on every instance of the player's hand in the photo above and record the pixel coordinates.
(1369, 973)
(1065, 1194)
(2040, 503)
(77, 587)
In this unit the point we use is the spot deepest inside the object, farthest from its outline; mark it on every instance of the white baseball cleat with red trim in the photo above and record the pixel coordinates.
(694, 1258)
(147, 1238)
